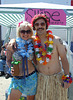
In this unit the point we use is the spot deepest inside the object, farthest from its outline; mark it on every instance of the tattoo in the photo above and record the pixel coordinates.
(60, 41)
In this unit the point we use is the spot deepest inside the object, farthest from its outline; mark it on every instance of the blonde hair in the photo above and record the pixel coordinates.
(23, 24)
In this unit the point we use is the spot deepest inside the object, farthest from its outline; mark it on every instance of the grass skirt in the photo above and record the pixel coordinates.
(49, 87)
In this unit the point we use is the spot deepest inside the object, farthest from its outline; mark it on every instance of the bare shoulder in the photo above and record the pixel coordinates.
(58, 40)
(60, 47)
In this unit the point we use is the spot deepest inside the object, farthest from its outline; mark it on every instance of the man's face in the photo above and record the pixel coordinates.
(40, 26)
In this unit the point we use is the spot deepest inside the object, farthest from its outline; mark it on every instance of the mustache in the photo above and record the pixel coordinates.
(40, 28)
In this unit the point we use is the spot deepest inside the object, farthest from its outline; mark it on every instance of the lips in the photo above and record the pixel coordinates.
(25, 36)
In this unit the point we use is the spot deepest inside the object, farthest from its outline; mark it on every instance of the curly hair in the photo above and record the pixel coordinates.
(40, 16)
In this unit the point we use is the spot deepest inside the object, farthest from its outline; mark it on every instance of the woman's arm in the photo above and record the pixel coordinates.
(9, 58)
(12, 45)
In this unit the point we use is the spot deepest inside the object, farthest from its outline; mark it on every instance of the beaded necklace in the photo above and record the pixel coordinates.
(46, 51)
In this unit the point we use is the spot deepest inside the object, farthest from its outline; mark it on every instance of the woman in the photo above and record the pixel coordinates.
(24, 75)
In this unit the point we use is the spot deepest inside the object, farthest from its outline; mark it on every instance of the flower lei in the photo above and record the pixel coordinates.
(41, 51)
(67, 79)
(21, 47)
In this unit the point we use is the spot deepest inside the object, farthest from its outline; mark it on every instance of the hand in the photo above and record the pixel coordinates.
(65, 85)
(11, 45)
(12, 71)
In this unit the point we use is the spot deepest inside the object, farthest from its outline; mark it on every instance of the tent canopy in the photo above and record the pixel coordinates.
(11, 14)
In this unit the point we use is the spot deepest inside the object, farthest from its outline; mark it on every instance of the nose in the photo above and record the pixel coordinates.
(40, 25)
(25, 33)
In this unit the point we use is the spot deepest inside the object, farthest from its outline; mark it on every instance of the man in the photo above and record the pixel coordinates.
(48, 48)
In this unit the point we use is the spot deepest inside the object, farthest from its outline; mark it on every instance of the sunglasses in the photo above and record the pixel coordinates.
(23, 31)
(42, 24)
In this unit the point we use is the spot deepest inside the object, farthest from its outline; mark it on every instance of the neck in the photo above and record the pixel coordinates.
(43, 35)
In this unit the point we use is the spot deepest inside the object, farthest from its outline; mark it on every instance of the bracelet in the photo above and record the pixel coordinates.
(67, 78)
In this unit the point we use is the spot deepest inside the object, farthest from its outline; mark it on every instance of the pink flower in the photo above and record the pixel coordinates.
(20, 23)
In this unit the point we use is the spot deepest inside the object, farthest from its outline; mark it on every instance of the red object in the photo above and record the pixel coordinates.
(5, 52)
(71, 2)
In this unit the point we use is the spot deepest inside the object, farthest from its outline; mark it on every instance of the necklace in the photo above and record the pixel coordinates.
(21, 47)
(46, 51)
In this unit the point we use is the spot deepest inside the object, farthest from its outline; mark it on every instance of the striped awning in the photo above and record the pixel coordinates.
(12, 14)
(10, 20)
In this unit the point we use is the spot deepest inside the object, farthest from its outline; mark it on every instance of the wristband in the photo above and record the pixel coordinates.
(67, 78)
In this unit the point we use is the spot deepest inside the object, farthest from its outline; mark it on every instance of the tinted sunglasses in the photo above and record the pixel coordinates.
(23, 31)
(42, 24)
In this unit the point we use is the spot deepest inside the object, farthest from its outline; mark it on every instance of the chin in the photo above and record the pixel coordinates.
(25, 38)
(40, 33)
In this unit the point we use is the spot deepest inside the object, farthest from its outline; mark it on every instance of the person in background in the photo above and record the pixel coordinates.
(4, 69)
(53, 82)
(7, 69)
(2, 60)
(20, 61)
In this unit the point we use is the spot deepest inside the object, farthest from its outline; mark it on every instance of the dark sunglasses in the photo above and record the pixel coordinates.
(42, 24)
(23, 31)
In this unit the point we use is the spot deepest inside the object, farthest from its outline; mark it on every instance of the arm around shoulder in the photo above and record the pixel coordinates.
(11, 45)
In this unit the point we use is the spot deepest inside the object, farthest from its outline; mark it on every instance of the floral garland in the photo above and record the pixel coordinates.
(41, 51)
(21, 47)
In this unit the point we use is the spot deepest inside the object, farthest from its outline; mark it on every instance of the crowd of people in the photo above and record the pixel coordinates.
(34, 62)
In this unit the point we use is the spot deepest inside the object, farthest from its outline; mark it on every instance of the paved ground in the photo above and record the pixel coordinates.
(4, 84)
(71, 92)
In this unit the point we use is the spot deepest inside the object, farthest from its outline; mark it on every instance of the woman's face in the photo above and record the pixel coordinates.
(25, 33)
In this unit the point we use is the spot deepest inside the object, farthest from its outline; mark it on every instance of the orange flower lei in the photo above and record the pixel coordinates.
(46, 51)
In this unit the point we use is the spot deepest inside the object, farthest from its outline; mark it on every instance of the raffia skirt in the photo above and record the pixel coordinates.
(49, 87)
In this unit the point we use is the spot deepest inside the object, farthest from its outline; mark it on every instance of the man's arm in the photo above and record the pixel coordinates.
(9, 58)
(11, 45)
(62, 53)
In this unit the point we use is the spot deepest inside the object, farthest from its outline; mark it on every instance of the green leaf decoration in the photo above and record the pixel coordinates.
(15, 62)
(36, 53)
(12, 62)
(22, 98)
(49, 49)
